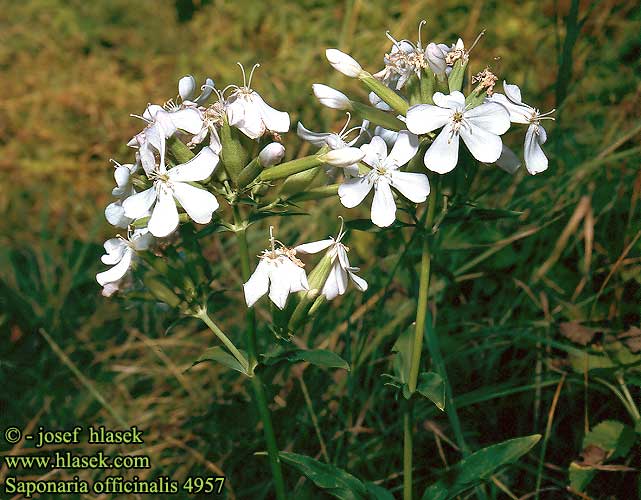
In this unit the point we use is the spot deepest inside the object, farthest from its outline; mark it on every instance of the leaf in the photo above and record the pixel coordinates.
(377, 492)
(479, 466)
(219, 355)
(607, 440)
(335, 481)
(431, 386)
(318, 357)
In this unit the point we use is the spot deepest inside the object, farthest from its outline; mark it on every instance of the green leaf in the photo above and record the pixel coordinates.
(431, 386)
(219, 355)
(479, 466)
(318, 357)
(377, 492)
(335, 481)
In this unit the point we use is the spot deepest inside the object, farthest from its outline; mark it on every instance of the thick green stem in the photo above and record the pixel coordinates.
(202, 315)
(257, 385)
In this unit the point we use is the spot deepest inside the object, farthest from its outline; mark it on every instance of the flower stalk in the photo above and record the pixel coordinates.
(201, 314)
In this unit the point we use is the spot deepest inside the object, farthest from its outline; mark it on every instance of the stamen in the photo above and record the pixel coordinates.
(146, 120)
(349, 117)
(420, 26)
(251, 75)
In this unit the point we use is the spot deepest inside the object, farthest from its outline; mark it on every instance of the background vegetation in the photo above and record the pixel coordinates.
(519, 302)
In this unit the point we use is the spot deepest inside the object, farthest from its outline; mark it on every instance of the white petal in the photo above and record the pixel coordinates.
(375, 151)
(139, 204)
(343, 63)
(353, 191)
(415, 187)
(336, 283)
(314, 246)
(251, 124)
(403, 151)
(198, 168)
(116, 272)
(121, 175)
(508, 161)
(141, 239)
(316, 138)
(359, 282)
(207, 89)
(424, 118)
(147, 158)
(535, 159)
(383, 205)
(258, 283)
(512, 92)
(389, 136)
(330, 97)
(442, 155)
(151, 111)
(274, 120)
(490, 116)
(187, 119)
(285, 277)
(164, 218)
(115, 249)
(115, 215)
(198, 203)
(455, 100)
(484, 146)
(518, 113)
(343, 157)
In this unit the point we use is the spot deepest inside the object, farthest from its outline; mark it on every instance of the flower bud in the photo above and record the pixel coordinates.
(330, 97)
(436, 58)
(186, 87)
(271, 154)
(343, 63)
(343, 157)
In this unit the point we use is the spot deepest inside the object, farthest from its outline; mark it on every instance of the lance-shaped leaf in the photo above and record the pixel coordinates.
(333, 480)
(479, 466)
(219, 355)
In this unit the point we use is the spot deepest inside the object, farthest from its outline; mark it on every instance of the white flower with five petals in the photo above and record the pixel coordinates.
(384, 175)
(174, 184)
(279, 272)
(535, 159)
(341, 272)
(479, 127)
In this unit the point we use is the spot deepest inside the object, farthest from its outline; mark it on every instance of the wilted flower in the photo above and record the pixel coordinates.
(337, 142)
(247, 111)
(341, 272)
(535, 137)
(385, 173)
(120, 253)
(175, 183)
(480, 128)
(279, 272)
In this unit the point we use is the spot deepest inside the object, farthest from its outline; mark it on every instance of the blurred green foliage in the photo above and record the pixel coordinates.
(72, 73)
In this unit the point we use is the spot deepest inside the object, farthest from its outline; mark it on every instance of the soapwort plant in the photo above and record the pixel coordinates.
(211, 167)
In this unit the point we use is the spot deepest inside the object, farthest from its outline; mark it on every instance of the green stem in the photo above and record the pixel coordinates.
(407, 452)
(257, 385)
(202, 315)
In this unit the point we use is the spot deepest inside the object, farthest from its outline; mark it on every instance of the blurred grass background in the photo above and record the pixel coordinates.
(73, 71)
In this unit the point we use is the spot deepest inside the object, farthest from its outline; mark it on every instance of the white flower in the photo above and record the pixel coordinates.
(120, 253)
(343, 63)
(480, 128)
(278, 271)
(330, 97)
(247, 111)
(535, 137)
(385, 173)
(341, 272)
(115, 213)
(161, 125)
(175, 183)
(342, 153)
